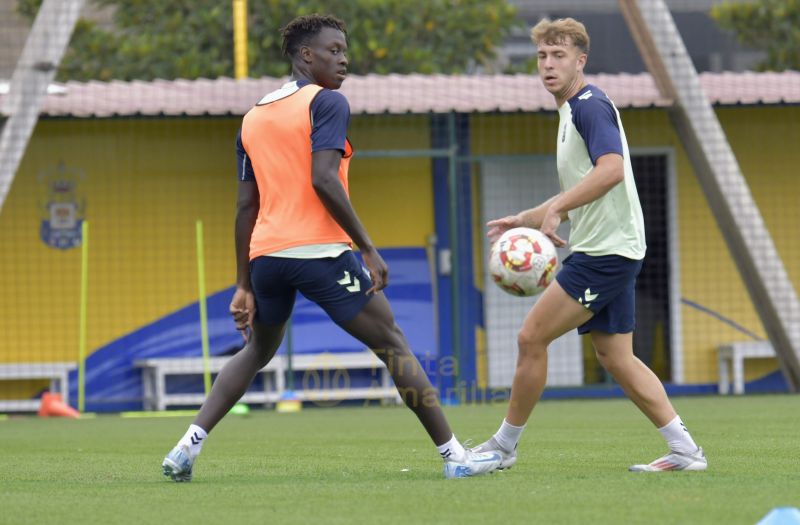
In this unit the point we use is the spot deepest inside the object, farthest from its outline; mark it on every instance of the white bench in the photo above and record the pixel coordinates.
(57, 373)
(735, 354)
(326, 379)
(155, 371)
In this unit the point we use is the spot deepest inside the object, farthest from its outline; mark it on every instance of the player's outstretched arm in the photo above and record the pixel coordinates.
(329, 189)
(532, 218)
(242, 306)
(608, 171)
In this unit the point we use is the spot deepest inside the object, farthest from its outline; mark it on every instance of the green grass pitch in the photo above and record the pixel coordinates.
(376, 465)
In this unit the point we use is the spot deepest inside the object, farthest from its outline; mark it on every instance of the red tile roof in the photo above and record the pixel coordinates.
(398, 94)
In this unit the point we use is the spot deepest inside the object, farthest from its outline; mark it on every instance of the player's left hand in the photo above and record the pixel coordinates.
(550, 223)
(243, 310)
(378, 270)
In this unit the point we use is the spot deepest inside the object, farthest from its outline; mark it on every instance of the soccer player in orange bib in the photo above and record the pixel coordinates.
(594, 290)
(295, 228)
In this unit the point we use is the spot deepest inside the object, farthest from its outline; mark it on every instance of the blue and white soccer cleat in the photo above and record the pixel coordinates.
(507, 458)
(473, 464)
(178, 464)
(674, 461)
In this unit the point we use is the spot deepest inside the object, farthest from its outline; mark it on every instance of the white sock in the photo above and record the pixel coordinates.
(678, 437)
(453, 449)
(508, 436)
(194, 439)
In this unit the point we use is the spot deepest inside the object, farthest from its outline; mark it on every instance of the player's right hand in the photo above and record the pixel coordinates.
(550, 223)
(243, 309)
(378, 270)
(498, 227)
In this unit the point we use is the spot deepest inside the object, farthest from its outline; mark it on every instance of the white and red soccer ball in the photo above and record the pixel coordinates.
(523, 262)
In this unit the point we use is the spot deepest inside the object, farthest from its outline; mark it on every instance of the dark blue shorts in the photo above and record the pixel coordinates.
(337, 284)
(605, 285)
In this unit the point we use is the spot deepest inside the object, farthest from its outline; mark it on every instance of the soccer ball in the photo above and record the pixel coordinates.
(523, 262)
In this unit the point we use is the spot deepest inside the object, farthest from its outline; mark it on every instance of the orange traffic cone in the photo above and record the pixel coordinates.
(53, 406)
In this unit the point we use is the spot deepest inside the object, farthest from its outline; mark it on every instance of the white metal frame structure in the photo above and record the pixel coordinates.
(35, 71)
(720, 176)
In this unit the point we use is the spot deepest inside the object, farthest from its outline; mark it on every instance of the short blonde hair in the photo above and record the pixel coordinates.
(561, 31)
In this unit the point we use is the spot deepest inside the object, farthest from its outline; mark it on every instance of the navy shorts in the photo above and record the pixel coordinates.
(605, 285)
(337, 284)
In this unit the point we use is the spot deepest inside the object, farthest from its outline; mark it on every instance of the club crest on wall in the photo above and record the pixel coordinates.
(62, 207)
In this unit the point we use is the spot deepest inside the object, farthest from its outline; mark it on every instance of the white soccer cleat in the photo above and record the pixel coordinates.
(473, 464)
(178, 464)
(674, 461)
(507, 459)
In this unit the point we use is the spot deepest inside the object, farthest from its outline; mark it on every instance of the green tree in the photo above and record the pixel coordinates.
(769, 25)
(194, 38)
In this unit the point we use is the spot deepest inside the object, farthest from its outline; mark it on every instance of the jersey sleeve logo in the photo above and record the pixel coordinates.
(586, 96)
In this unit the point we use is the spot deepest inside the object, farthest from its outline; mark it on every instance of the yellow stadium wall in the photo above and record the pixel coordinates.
(760, 138)
(145, 182)
(393, 196)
